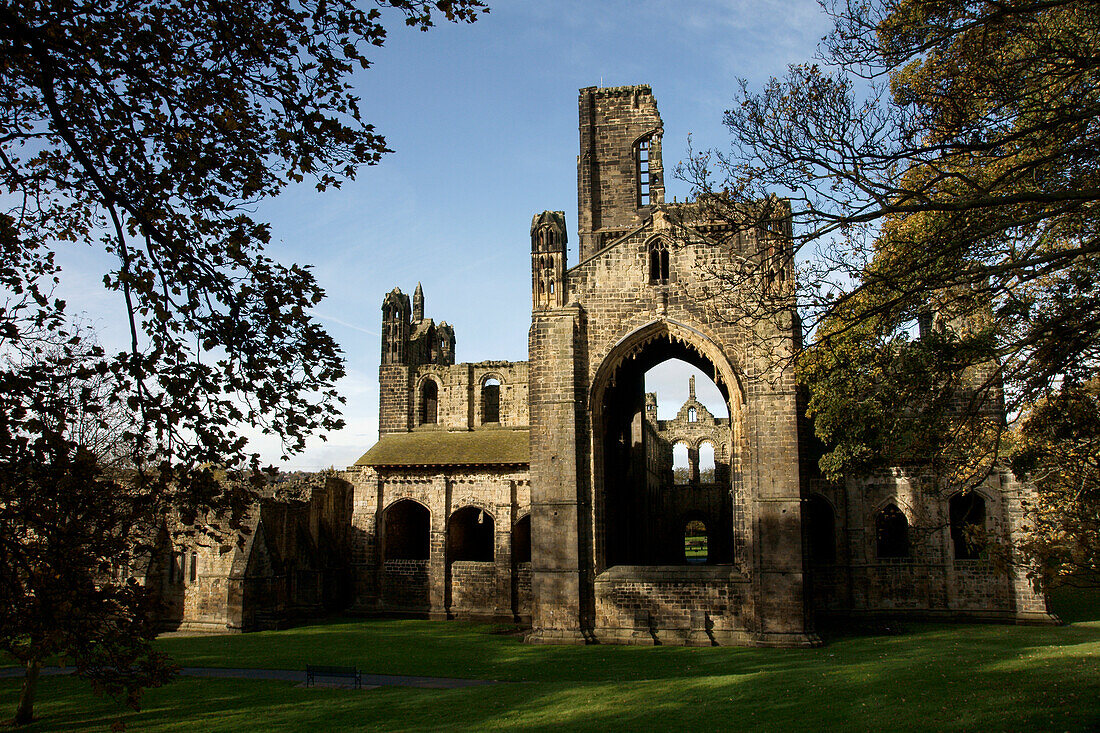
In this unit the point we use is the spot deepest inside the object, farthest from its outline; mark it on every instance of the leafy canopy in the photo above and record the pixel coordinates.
(941, 164)
(150, 128)
(1057, 447)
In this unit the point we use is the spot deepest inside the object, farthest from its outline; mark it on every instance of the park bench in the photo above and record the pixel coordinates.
(313, 671)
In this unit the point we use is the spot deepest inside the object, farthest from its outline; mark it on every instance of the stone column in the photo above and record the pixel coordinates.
(502, 554)
(437, 551)
(781, 608)
(555, 559)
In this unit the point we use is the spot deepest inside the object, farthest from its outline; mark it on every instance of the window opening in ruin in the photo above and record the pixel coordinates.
(967, 516)
(470, 535)
(194, 567)
(490, 400)
(658, 262)
(521, 540)
(681, 464)
(693, 415)
(891, 533)
(706, 463)
(695, 543)
(648, 466)
(642, 175)
(406, 531)
(820, 529)
(429, 402)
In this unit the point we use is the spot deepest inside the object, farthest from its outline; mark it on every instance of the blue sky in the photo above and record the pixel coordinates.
(483, 122)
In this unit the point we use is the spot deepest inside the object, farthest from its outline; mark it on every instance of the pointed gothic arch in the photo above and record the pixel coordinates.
(630, 528)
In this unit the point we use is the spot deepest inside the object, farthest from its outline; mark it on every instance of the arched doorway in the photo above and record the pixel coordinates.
(405, 546)
(637, 521)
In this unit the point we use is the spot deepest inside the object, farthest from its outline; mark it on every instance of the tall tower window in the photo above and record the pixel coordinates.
(967, 514)
(658, 261)
(891, 533)
(429, 403)
(641, 168)
(490, 400)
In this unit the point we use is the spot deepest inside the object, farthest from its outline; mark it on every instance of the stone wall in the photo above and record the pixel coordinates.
(290, 563)
(931, 580)
(475, 588)
(406, 585)
(699, 606)
(460, 394)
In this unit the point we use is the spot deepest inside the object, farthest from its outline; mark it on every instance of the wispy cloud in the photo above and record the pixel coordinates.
(345, 324)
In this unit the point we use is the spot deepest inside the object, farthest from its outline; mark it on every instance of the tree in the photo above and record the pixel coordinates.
(69, 517)
(151, 128)
(940, 164)
(1057, 448)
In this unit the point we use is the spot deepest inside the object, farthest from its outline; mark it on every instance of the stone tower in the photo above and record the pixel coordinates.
(607, 535)
(548, 241)
(409, 341)
(393, 372)
(620, 176)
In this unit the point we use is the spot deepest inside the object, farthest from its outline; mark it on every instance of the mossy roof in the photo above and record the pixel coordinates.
(442, 448)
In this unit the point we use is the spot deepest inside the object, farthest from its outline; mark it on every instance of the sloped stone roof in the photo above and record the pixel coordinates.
(442, 448)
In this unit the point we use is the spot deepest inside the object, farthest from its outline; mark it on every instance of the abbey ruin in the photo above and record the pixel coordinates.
(543, 492)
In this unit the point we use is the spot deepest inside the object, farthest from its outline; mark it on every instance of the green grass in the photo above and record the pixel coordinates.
(933, 677)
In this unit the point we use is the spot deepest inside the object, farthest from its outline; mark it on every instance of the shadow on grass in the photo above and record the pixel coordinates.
(937, 678)
(934, 677)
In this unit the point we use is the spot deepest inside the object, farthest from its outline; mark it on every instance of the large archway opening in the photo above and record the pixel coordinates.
(406, 531)
(640, 499)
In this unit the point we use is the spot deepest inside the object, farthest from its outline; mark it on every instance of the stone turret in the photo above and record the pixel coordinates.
(395, 327)
(418, 303)
(548, 240)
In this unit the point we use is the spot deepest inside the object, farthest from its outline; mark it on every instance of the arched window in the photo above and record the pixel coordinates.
(490, 400)
(641, 170)
(681, 464)
(706, 462)
(470, 535)
(891, 533)
(967, 516)
(406, 529)
(820, 530)
(695, 543)
(658, 261)
(693, 414)
(521, 540)
(194, 567)
(429, 402)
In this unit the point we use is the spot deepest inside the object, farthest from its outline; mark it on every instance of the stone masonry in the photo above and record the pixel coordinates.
(543, 491)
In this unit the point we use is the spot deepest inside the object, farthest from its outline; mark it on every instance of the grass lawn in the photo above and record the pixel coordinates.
(933, 677)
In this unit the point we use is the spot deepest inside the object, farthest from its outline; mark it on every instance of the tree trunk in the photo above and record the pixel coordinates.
(24, 714)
